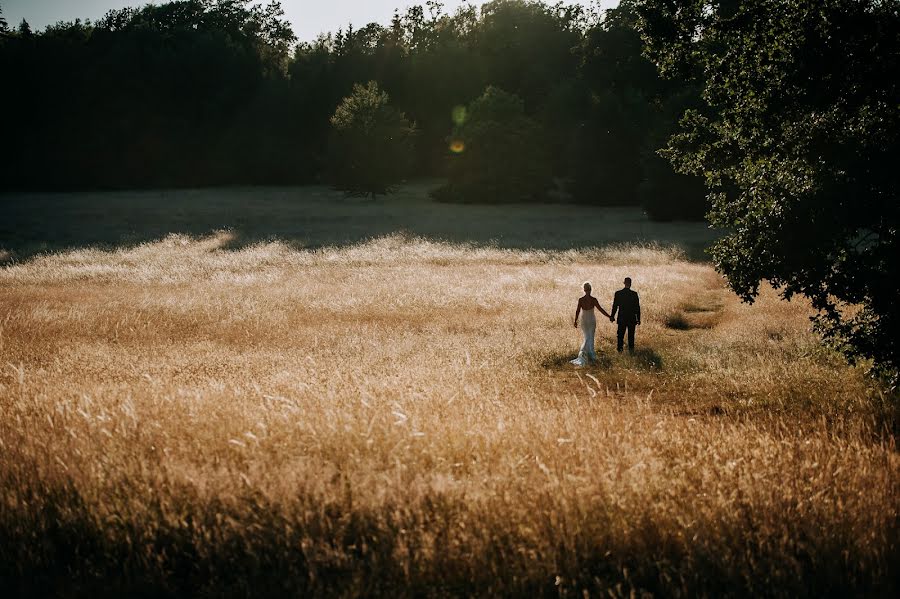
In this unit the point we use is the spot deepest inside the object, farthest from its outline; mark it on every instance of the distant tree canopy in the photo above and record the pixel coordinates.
(499, 156)
(799, 140)
(174, 94)
(203, 92)
(371, 145)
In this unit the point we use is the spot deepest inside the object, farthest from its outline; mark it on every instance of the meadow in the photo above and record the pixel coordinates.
(316, 216)
(326, 411)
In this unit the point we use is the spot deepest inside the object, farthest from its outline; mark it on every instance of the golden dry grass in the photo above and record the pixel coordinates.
(398, 418)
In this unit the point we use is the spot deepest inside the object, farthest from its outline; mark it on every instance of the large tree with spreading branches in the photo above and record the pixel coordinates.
(799, 142)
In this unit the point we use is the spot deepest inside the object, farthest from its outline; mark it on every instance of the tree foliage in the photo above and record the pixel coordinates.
(799, 142)
(207, 92)
(371, 144)
(630, 115)
(499, 156)
(168, 94)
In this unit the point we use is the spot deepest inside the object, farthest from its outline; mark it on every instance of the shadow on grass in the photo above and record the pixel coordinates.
(558, 360)
(647, 359)
(262, 549)
(316, 216)
(678, 321)
(643, 358)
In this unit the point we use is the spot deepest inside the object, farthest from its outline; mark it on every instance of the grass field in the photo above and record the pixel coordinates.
(209, 416)
(316, 216)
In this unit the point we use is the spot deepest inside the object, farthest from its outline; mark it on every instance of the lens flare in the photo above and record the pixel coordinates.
(459, 115)
(457, 146)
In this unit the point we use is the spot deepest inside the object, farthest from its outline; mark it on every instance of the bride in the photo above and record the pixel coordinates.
(586, 305)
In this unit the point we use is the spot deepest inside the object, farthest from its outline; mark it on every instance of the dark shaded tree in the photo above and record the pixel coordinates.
(498, 153)
(799, 142)
(631, 114)
(160, 95)
(621, 84)
(610, 143)
(665, 194)
(371, 145)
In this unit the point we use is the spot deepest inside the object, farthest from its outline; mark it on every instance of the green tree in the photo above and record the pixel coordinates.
(606, 167)
(498, 153)
(631, 114)
(190, 92)
(799, 143)
(371, 145)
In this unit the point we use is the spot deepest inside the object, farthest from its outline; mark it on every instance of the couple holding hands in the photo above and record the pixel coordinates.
(628, 306)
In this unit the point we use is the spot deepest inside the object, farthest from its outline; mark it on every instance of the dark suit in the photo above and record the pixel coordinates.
(628, 305)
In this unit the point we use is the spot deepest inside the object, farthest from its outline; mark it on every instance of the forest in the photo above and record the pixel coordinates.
(204, 93)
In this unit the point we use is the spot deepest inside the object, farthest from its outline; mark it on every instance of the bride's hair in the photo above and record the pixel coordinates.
(587, 285)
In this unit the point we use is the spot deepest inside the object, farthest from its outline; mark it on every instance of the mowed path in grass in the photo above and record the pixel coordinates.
(397, 417)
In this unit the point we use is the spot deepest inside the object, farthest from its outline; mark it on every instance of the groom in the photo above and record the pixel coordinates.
(627, 304)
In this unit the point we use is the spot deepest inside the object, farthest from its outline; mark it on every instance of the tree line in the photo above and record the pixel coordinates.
(210, 92)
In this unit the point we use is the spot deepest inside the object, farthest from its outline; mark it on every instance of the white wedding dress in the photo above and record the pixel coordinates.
(588, 327)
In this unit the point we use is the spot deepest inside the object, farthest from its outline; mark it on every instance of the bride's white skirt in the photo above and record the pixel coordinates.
(586, 354)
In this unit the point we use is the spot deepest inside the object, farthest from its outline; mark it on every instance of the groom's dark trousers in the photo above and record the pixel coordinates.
(628, 305)
(620, 336)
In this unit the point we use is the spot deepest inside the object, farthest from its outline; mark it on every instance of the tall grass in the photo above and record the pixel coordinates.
(398, 418)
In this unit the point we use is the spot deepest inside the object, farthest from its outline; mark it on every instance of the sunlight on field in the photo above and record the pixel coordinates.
(398, 417)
